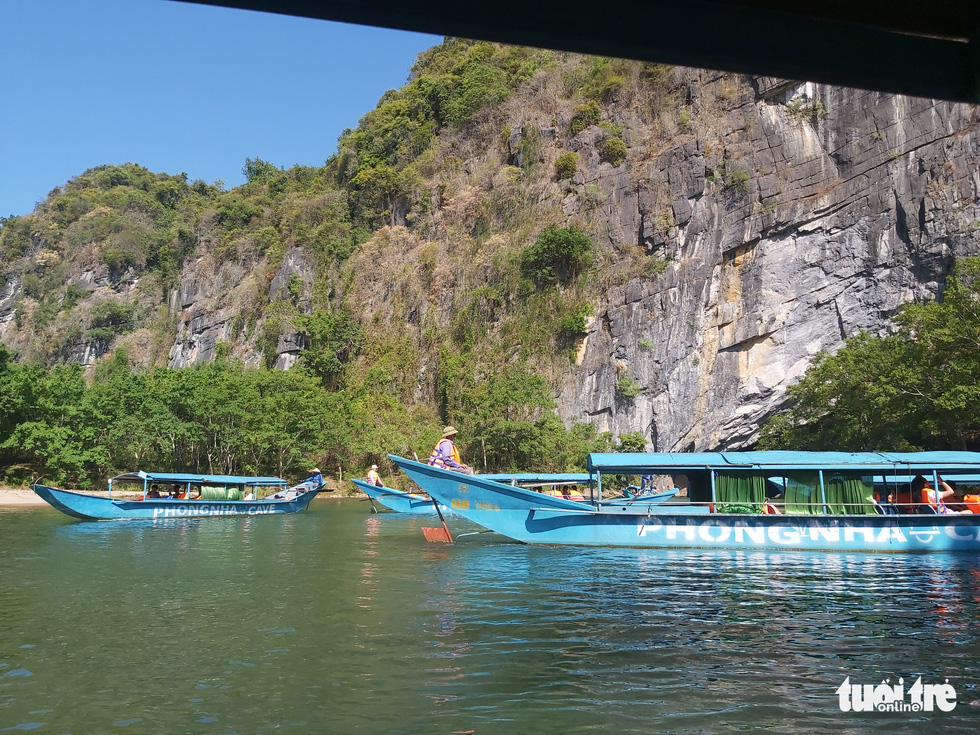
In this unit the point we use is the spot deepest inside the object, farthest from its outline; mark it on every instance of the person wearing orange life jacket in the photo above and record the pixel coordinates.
(373, 477)
(445, 454)
(932, 497)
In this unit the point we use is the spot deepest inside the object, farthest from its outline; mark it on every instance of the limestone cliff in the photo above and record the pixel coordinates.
(855, 203)
(745, 225)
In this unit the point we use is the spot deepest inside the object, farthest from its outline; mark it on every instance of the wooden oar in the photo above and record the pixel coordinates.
(437, 535)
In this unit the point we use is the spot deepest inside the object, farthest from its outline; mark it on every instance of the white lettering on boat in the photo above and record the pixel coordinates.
(746, 532)
(756, 534)
(212, 509)
(953, 531)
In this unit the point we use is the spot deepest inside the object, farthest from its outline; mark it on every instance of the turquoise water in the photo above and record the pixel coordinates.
(335, 620)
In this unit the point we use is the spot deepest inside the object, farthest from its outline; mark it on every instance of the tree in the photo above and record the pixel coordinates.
(557, 256)
(56, 431)
(333, 340)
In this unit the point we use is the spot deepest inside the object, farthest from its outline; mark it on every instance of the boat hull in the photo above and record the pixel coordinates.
(533, 519)
(104, 508)
(397, 500)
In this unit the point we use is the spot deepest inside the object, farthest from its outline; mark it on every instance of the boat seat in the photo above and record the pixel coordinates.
(928, 510)
(885, 508)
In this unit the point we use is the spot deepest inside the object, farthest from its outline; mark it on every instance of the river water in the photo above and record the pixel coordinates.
(339, 621)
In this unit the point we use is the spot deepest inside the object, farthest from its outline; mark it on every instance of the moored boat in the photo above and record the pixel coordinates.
(407, 502)
(165, 495)
(397, 500)
(779, 500)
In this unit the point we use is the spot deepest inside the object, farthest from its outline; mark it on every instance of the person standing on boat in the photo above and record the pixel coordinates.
(373, 477)
(445, 454)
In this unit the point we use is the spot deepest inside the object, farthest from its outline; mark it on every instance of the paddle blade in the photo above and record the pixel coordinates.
(437, 535)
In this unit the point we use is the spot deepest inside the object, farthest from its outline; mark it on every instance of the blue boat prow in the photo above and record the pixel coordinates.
(398, 500)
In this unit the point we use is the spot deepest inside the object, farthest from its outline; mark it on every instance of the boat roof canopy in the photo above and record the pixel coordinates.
(907, 462)
(184, 477)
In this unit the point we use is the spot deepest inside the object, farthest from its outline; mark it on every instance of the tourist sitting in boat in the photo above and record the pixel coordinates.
(445, 454)
(961, 501)
(933, 501)
(902, 500)
(571, 492)
(154, 492)
(971, 502)
(177, 493)
(373, 477)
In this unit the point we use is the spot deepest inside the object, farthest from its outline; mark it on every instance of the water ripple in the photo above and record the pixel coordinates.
(169, 628)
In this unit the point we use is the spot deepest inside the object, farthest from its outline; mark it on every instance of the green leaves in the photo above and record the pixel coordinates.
(557, 256)
(334, 339)
(566, 165)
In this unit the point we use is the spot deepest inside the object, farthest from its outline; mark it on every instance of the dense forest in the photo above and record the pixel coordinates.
(225, 418)
(88, 384)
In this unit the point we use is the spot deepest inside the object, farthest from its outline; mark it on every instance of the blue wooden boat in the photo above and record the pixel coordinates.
(194, 496)
(822, 501)
(398, 500)
(420, 503)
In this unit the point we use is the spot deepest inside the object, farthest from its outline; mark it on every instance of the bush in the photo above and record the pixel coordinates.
(585, 116)
(566, 165)
(236, 212)
(574, 324)
(613, 150)
(803, 108)
(627, 388)
(557, 256)
(734, 181)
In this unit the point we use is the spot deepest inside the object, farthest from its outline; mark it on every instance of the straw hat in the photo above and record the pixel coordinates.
(315, 469)
(449, 431)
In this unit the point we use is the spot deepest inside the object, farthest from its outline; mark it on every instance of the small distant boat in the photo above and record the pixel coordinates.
(397, 500)
(183, 495)
(403, 502)
(829, 501)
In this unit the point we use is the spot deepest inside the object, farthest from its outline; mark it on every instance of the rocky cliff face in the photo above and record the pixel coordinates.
(854, 203)
(751, 224)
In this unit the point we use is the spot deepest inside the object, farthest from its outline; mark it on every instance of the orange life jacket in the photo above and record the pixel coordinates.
(436, 458)
(931, 497)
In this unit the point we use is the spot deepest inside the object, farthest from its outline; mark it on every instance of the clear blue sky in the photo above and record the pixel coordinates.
(178, 87)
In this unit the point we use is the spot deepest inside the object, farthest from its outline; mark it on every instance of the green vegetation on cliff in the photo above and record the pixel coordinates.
(420, 274)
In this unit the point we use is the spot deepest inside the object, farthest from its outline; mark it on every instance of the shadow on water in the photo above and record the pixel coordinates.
(338, 620)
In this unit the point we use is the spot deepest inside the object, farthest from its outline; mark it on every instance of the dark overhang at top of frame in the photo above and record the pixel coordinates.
(902, 46)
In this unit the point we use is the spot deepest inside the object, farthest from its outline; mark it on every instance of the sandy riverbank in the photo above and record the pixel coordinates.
(18, 496)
